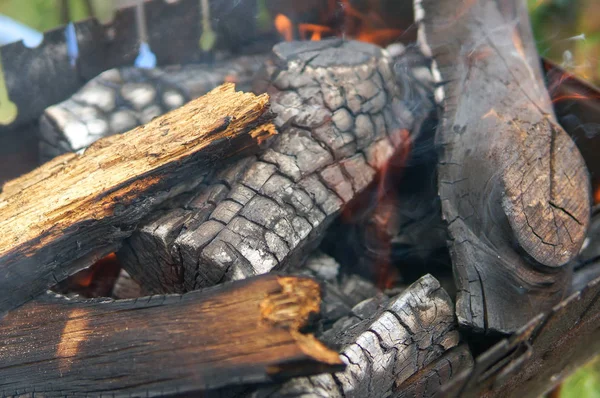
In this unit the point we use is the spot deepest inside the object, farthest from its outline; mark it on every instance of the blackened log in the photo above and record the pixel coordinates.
(244, 332)
(340, 116)
(120, 99)
(62, 217)
(409, 333)
(514, 188)
(540, 355)
(399, 220)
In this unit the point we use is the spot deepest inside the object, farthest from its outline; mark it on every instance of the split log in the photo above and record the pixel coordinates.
(244, 332)
(62, 217)
(121, 99)
(410, 332)
(340, 116)
(514, 188)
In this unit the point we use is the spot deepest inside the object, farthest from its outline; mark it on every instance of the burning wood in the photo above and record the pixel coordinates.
(514, 188)
(340, 116)
(61, 217)
(356, 141)
(245, 332)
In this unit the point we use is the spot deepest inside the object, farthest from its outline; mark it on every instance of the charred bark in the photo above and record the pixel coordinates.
(514, 188)
(121, 99)
(340, 116)
(63, 216)
(396, 341)
(234, 334)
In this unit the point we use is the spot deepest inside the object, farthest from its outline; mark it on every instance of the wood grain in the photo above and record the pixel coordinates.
(243, 332)
(62, 216)
(514, 188)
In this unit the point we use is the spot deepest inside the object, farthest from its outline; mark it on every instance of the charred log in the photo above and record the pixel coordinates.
(398, 221)
(340, 116)
(538, 356)
(119, 100)
(63, 216)
(514, 188)
(245, 332)
(400, 338)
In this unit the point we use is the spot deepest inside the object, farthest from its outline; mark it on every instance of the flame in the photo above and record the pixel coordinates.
(574, 96)
(285, 27)
(597, 196)
(378, 36)
(384, 215)
(387, 202)
(85, 277)
(316, 30)
(368, 27)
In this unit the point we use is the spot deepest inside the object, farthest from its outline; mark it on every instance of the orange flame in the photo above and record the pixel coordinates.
(367, 27)
(574, 96)
(285, 27)
(316, 30)
(84, 278)
(597, 196)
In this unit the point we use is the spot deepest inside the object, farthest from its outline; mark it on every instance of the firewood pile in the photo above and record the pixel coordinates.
(330, 218)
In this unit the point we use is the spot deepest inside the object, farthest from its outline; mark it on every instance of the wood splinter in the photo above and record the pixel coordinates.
(68, 213)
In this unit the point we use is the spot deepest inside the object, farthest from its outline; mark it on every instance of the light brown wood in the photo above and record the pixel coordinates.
(236, 333)
(60, 217)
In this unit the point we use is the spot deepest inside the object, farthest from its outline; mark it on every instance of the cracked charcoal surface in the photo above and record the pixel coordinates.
(120, 99)
(402, 337)
(340, 116)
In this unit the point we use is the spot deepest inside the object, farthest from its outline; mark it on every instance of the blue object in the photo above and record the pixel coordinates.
(12, 31)
(72, 45)
(146, 58)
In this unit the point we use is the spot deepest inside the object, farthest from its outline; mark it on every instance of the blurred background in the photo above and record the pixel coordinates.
(567, 32)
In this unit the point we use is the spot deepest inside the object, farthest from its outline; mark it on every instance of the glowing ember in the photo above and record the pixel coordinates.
(97, 280)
